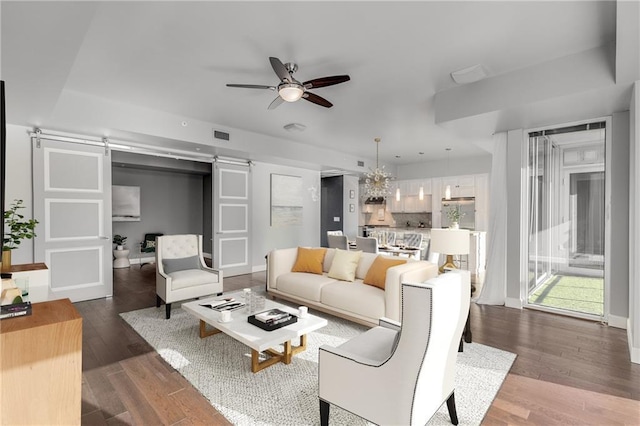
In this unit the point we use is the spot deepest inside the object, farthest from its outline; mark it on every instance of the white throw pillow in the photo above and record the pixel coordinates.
(344, 265)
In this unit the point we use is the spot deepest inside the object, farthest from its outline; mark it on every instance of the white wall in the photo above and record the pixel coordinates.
(633, 323)
(350, 218)
(266, 237)
(18, 184)
(515, 147)
(618, 251)
(452, 167)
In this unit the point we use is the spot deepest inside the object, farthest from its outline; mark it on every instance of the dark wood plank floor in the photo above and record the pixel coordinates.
(568, 371)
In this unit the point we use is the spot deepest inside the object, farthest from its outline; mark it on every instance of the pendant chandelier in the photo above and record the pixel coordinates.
(377, 182)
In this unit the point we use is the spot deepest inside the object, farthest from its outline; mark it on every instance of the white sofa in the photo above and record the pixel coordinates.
(355, 301)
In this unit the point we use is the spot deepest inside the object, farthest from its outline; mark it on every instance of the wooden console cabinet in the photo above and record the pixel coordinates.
(41, 366)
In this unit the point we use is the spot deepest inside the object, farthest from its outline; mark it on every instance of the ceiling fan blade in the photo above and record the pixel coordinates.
(280, 70)
(312, 97)
(252, 86)
(276, 102)
(325, 81)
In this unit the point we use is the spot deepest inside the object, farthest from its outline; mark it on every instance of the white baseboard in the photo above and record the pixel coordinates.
(137, 261)
(618, 322)
(258, 268)
(511, 302)
(634, 351)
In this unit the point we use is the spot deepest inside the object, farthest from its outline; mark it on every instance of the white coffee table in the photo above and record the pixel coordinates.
(254, 337)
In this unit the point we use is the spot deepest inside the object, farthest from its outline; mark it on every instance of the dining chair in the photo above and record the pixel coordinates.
(367, 244)
(412, 240)
(338, 241)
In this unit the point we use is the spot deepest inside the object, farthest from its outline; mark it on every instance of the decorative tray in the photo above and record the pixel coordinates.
(270, 327)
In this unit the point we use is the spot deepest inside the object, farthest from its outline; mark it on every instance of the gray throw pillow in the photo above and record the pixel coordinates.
(180, 264)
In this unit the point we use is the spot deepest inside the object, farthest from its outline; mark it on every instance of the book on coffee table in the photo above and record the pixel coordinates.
(228, 304)
(272, 315)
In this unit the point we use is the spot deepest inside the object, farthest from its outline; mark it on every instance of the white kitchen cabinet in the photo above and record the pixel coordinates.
(410, 201)
(461, 186)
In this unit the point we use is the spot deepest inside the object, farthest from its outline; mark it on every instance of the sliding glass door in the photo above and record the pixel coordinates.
(566, 220)
(542, 204)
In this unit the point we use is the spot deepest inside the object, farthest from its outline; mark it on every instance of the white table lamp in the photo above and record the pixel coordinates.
(449, 242)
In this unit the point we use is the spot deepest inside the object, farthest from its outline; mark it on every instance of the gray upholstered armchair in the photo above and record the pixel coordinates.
(181, 272)
(401, 373)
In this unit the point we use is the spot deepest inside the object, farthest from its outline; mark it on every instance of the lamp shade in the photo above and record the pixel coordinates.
(450, 241)
(290, 92)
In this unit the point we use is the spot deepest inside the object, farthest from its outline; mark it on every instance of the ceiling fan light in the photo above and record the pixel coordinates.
(290, 92)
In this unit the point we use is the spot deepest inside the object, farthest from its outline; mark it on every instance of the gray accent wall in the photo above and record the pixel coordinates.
(170, 203)
(332, 202)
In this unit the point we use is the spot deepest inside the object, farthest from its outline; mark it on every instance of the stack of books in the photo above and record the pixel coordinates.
(272, 319)
(15, 310)
(273, 316)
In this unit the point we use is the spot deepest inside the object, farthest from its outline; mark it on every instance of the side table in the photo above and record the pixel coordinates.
(121, 259)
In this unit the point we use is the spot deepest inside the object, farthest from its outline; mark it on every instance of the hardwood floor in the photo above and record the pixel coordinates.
(568, 371)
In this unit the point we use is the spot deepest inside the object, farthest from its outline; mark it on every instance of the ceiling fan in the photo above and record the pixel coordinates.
(290, 90)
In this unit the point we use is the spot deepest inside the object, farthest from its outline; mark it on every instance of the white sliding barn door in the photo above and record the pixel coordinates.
(232, 219)
(72, 202)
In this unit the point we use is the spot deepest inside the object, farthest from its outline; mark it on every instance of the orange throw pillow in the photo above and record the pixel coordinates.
(377, 273)
(309, 260)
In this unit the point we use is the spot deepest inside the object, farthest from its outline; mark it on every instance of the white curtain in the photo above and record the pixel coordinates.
(494, 290)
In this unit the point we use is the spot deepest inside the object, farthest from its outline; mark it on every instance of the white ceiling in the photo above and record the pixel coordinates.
(176, 57)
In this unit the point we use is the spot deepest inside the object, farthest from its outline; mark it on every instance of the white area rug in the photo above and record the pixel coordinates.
(220, 368)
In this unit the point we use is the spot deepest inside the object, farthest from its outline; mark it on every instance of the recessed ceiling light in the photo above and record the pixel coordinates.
(294, 127)
(469, 75)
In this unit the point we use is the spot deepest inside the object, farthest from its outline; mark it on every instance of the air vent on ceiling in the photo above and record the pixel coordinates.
(221, 135)
(360, 163)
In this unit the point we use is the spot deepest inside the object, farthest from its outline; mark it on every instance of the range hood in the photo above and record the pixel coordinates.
(375, 200)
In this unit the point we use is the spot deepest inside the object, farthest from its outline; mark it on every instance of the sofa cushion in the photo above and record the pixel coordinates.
(180, 264)
(344, 265)
(304, 285)
(328, 259)
(365, 263)
(191, 278)
(356, 297)
(377, 273)
(309, 260)
(375, 345)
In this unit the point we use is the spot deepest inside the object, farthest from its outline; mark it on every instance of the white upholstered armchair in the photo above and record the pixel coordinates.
(181, 273)
(401, 373)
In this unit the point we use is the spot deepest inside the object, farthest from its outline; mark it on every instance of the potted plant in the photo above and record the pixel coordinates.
(455, 214)
(18, 229)
(119, 240)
